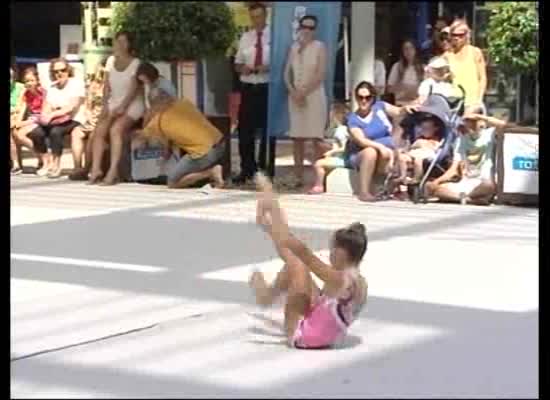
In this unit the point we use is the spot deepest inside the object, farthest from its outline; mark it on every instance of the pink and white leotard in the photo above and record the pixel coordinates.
(327, 321)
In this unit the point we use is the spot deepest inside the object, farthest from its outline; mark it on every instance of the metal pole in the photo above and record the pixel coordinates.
(518, 99)
(346, 59)
(537, 101)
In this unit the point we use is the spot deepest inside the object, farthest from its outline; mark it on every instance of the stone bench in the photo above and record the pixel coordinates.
(346, 181)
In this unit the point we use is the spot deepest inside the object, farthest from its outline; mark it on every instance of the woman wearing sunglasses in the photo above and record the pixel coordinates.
(371, 146)
(62, 111)
(304, 77)
(467, 65)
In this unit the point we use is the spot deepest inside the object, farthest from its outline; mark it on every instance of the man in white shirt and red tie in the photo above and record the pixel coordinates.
(252, 64)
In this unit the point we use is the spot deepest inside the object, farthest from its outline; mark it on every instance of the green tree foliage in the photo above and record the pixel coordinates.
(512, 36)
(170, 31)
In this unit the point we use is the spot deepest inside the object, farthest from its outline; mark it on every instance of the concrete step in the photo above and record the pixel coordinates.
(346, 181)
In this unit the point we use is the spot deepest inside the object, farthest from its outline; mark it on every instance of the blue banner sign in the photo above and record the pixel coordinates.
(284, 30)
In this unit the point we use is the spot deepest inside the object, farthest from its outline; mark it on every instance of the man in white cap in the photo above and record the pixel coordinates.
(472, 161)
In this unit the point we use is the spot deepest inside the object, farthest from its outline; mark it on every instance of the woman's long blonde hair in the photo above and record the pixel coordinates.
(459, 22)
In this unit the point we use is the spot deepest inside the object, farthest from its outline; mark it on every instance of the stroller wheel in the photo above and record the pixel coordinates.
(415, 195)
(423, 194)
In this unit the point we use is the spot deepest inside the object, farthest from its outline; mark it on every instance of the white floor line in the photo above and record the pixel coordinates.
(88, 263)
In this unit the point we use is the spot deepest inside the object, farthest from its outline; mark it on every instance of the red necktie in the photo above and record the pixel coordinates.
(259, 50)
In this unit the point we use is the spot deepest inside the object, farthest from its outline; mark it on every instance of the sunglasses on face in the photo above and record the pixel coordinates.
(365, 98)
(59, 71)
(458, 35)
(310, 28)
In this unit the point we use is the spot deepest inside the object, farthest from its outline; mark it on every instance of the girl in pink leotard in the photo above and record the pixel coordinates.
(313, 318)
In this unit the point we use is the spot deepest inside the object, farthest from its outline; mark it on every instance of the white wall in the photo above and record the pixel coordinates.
(362, 43)
(70, 34)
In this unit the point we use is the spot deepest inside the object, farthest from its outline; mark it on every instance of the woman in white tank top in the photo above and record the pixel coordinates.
(122, 108)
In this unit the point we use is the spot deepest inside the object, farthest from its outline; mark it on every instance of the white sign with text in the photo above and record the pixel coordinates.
(521, 163)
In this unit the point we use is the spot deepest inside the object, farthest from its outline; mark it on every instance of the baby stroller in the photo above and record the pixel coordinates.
(448, 112)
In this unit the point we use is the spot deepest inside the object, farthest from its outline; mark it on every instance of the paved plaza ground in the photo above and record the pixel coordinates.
(140, 291)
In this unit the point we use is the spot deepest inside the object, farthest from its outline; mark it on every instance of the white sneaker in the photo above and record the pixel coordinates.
(42, 172)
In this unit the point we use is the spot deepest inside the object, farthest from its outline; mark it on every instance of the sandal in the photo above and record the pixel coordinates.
(316, 190)
(54, 174)
(367, 199)
(43, 172)
(110, 182)
(79, 175)
(94, 180)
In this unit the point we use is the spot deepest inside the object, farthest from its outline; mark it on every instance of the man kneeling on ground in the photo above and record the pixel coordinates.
(178, 123)
(472, 161)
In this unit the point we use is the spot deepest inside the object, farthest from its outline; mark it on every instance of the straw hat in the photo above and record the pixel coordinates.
(438, 62)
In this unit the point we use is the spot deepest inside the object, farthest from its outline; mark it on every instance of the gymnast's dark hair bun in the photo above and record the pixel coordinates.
(358, 227)
(353, 240)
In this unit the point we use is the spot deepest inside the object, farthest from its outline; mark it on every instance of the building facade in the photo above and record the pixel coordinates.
(374, 30)
(97, 33)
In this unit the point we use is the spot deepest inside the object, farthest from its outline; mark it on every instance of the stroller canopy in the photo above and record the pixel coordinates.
(436, 106)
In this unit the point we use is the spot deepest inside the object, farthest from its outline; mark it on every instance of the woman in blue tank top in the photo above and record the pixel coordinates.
(371, 145)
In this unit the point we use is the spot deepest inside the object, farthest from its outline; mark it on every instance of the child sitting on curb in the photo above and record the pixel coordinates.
(333, 158)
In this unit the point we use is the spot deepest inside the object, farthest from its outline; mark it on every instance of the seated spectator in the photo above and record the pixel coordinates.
(123, 109)
(371, 146)
(16, 90)
(438, 80)
(423, 148)
(183, 126)
(333, 158)
(472, 163)
(62, 112)
(29, 110)
(82, 137)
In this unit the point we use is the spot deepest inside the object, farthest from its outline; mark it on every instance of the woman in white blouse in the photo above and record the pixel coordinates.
(62, 111)
(406, 75)
(123, 107)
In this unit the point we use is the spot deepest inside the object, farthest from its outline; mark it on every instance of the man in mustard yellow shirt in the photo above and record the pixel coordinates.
(179, 123)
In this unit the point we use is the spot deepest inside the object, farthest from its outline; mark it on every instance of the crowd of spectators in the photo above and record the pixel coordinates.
(127, 99)
(122, 102)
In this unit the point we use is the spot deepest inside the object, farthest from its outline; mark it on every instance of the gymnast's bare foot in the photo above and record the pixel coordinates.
(261, 289)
